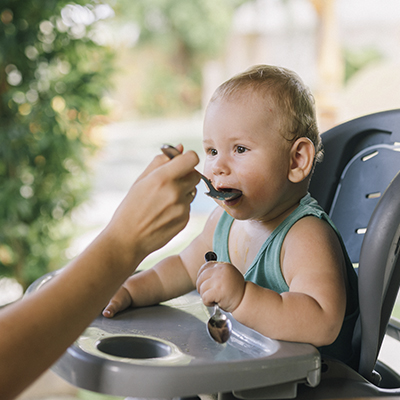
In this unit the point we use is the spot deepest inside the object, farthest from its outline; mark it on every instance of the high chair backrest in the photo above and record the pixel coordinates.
(379, 276)
(361, 159)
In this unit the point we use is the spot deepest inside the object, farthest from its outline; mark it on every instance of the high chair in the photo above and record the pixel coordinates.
(362, 159)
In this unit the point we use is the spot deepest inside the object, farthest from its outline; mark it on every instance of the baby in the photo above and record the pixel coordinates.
(282, 268)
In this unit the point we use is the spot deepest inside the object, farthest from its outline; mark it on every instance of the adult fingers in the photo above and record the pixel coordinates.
(180, 165)
(158, 160)
(157, 206)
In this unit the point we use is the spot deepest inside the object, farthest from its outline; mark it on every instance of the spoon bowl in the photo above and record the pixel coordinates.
(219, 326)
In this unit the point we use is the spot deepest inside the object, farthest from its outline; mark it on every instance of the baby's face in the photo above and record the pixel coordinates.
(245, 151)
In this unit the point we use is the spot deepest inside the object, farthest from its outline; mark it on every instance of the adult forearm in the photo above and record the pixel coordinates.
(38, 329)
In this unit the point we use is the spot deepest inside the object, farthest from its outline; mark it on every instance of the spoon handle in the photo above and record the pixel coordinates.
(210, 256)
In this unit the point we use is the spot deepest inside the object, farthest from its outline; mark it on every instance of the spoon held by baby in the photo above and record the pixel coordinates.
(219, 325)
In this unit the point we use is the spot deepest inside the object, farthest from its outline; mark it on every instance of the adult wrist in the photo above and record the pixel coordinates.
(124, 256)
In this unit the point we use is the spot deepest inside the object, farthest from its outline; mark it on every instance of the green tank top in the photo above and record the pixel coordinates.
(265, 271)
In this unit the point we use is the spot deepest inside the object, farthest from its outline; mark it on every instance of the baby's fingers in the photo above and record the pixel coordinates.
(208, 298)
(119, 302)
(110, 310)
(204, 273)
(206, 287)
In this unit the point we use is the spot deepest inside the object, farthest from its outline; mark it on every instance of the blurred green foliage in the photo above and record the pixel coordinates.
(54, 71)
(355, 60)
(176, 38)
(53, 76)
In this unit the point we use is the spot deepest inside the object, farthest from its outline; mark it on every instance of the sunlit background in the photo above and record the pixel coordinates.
(90, 91)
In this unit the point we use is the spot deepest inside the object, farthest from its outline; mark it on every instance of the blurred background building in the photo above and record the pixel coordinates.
(346, 51)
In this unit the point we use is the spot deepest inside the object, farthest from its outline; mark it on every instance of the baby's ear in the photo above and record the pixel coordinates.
(302, 156)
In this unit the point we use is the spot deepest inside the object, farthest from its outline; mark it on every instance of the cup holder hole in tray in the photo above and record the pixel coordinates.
(134, 347)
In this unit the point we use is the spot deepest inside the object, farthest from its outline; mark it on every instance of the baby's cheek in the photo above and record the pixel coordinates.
(254, 183)
(207, 170)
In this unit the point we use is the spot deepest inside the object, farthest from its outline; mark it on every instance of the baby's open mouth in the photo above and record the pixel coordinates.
(235, 193)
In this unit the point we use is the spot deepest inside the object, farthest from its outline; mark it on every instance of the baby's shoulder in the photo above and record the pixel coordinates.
(311, 229)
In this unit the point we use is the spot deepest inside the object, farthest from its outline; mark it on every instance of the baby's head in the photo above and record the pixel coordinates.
(291, 96)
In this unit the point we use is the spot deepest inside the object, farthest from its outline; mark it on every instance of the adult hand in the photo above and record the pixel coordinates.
(157, 206)
(220, 283)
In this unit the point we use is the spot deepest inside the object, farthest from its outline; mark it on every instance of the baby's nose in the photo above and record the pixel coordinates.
(221, 167)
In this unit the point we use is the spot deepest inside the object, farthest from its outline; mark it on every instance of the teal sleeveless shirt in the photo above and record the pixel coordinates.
(265, 271)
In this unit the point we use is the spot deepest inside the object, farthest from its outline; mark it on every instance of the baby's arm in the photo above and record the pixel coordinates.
(167, 279)
(312, 311)
(170, 278)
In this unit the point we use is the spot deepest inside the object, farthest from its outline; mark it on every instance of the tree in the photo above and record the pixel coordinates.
(53, 76)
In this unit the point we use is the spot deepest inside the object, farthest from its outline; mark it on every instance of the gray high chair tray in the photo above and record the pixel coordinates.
(165, 351)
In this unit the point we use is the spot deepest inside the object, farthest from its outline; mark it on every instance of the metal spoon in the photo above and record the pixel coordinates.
(171, 152)
(219, 325)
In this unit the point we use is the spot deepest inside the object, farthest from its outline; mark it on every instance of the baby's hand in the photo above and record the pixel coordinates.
(121, 300)
(222, 284)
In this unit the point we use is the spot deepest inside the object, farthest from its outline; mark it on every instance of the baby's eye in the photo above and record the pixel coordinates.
(241, 149)
(212, 152)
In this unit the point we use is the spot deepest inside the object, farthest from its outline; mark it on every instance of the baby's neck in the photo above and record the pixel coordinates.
(278, 215)
(246, 238)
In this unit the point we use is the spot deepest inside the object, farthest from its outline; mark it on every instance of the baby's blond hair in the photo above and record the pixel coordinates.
(293, 98)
